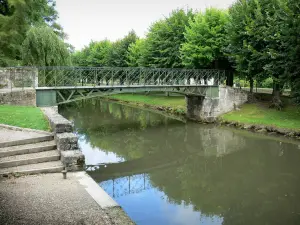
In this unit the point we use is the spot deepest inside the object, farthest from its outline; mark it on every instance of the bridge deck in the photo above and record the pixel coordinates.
(122, 86)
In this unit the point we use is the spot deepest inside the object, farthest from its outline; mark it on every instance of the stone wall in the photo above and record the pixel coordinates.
(18, 77)
(208, 109)
(18, 97)
(17, 86)
(67, 142)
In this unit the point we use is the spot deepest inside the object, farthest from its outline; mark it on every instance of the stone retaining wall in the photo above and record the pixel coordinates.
(26, 97)
(208, 109)
(66, 141)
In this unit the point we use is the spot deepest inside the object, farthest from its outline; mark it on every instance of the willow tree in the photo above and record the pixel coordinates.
(43, 47)
(16, 18)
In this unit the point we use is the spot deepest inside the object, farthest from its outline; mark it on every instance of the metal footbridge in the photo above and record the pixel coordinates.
(59, 85)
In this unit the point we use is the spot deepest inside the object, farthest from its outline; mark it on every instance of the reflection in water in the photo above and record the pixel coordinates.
(164, 171)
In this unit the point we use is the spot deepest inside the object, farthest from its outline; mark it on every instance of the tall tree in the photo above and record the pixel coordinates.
(164, 39)
(291, 38)
(117, 54)
(95, 54)
(42, 47)
(135, 52)
(205, 40)
(254, 41)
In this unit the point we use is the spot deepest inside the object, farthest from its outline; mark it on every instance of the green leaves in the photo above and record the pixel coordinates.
(42, 47)
(164, 40)
(205, 38)
(16, 18)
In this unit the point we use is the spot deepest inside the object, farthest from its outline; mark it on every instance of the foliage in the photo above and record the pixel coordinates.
(93, 55)
(23, 116)
(267, 83)
(117, 54)
(291, 39)
(16, 18)
(136, 51)
(42, 47)
(164, 39)
(205, 40)
(255, 40)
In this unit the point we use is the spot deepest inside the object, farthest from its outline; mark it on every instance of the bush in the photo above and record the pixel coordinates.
(267, 83)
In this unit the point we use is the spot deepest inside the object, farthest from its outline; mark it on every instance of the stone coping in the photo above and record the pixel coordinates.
(58, 123)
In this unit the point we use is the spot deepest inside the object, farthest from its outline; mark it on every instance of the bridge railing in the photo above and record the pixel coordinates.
(114, 76)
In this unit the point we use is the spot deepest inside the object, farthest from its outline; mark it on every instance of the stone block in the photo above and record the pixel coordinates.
(58, 123)
(73, 160)
(66, 141)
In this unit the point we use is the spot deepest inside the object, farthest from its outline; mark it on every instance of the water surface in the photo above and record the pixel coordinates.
(166, 171)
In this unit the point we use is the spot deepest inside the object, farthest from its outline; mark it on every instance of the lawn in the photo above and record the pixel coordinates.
(23, 116)
(176, 102)
(260, 114)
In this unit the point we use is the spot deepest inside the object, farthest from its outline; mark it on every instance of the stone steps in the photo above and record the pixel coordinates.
(25, 141)
(46, 167)
(32, 158)
(27, 148)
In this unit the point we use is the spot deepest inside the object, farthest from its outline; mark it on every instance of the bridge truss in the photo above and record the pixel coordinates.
(67, 84)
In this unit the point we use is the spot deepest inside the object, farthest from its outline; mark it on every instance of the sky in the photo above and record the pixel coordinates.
(96, 20)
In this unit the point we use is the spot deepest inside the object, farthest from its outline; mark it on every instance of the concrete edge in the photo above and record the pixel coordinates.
(95, 191)
(24, 129)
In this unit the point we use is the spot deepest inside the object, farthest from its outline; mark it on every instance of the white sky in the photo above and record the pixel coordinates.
(96, 20)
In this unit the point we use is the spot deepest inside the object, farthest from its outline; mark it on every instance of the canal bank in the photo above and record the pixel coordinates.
(256, 117)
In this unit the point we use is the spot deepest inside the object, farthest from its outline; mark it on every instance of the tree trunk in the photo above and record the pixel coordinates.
(229, 78)
(251, 94)
(251, 85)
(276, 101)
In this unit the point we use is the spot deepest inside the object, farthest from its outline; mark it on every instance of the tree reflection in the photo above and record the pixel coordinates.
(243, 179)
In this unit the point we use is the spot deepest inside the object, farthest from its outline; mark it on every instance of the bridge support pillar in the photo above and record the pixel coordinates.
(45, 98)
(208, 109)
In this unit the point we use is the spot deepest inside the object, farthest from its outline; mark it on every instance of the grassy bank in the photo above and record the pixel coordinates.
(174, 104)
(261, 114)
(258, 114)
(23, 116)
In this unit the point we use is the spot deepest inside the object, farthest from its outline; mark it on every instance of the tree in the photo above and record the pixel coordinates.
(163, 41)
(135, 52)
(42, 47)
(291, 38)
(117, 54)
(95, 54)
(205, 39)
(16, 18)
(254, 39)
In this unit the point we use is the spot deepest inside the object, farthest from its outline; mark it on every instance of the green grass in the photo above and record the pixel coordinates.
(260, 114)
(176, 102)
(23, 116)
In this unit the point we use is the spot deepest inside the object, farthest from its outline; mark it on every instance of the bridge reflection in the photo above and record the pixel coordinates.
(127, 185)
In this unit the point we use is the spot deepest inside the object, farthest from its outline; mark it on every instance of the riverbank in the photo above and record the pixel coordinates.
(23, 116)
(260, 118)
(257, 117)
(170, 104)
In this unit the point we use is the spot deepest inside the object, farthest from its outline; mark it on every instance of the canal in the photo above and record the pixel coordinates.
(165, 171)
